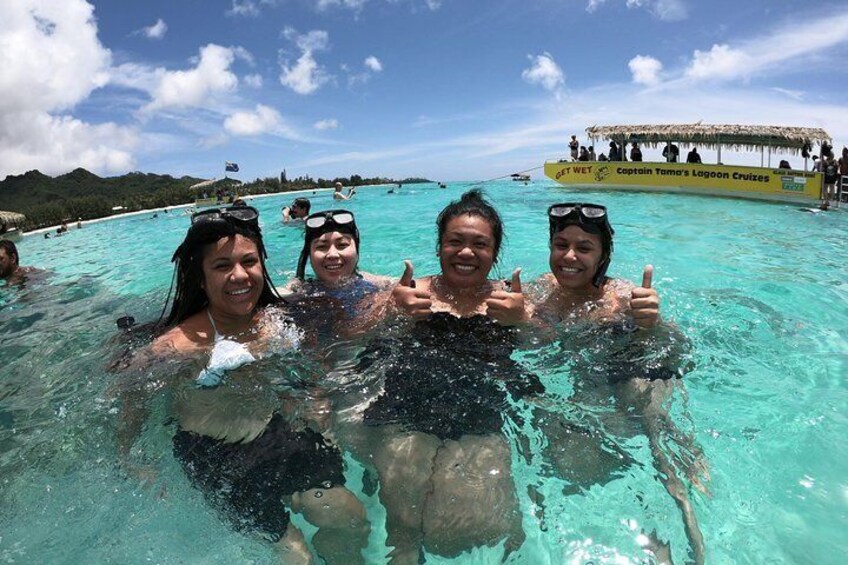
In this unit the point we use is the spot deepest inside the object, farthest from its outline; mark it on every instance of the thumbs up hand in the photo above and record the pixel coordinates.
(408, 299)
(507, 306)
(645, 302)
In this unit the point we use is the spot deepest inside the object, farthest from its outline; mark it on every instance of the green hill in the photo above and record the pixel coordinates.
(81, 194)
(47, 201)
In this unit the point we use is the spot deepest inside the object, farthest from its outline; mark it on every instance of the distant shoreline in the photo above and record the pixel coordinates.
(72, 225)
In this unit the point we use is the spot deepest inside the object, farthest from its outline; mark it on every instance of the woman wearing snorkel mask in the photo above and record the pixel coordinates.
(331, 247)
(636, 373)
(580, 252)
(233, 440)
(443, 462)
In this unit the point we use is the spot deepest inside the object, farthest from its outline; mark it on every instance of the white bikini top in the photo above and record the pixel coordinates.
(227, 354)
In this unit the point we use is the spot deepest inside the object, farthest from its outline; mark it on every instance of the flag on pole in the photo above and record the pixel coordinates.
(229, 166)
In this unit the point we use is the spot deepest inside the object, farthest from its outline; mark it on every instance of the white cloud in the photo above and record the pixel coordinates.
(771, 51)
(51, 57)
(253, 81)
(593, 5)
(670, 10)
(322, 5)
(52, 61)
(176, 89)
(374, 64)
(263, 119)
(323, 125)
(243, 8)
(719, 62)
(434, 4)
(544, 71)
(666, 10)
(156, 31)
(794, 94)
(58, 144)
(645, 70)
(306, 75)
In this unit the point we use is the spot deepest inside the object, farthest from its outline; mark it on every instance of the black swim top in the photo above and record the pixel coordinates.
(451, 376)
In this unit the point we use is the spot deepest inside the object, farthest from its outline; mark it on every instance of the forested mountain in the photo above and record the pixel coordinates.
(47, 201)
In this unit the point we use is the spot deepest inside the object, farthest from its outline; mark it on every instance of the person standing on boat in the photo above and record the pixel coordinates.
(614, 152)
(573, 145)
(831, 175)
(693, 156)
(671, 152)
(843, 169)
(635, 152)
(592, 156)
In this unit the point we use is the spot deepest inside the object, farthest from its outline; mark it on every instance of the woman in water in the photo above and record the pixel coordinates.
(233, 440)
(577, 292)
(331, 247)
(340, 300)
(443, 462)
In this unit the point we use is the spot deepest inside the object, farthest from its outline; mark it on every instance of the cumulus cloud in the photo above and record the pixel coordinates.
(645, 70)
(52, 60)
(544, 71)
(323, 125)
(306, 75)
(721, 61)
(374, 64)
(176, 89)
(156, 31)
(263, 119)
(253, 81)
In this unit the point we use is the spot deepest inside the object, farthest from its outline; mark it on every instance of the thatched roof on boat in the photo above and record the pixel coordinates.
(11, 219)
(712, 135)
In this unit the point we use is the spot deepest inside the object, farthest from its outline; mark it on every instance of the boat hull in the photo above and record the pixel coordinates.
(777, 185)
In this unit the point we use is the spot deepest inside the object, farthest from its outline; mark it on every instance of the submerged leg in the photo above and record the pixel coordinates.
(473, 501)
(340, 518)
(292, 547)
(405, 466)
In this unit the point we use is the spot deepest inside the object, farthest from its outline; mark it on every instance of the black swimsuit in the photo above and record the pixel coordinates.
(248, 480)
(451, 376)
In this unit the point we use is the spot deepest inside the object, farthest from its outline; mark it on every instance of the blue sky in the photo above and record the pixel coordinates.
(446, 89)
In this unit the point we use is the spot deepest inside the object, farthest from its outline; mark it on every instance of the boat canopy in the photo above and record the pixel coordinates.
(784, 138)
(12, 219)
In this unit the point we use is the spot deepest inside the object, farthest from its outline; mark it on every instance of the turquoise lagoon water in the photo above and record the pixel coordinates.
(761, 291)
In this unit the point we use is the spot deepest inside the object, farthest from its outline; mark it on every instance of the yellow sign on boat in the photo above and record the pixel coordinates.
(718, 180)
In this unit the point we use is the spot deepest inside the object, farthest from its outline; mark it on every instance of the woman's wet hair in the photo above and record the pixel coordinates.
(472, 203)
(189, 295)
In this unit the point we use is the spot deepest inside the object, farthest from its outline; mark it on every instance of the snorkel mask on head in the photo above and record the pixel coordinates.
(591, 218)
(211, 225)
(318, 224)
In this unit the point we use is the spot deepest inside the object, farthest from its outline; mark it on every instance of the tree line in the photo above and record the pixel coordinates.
(48, 201)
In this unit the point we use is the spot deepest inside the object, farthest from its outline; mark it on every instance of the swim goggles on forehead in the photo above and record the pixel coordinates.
(590, 212)
(246, 214)
(338, 217)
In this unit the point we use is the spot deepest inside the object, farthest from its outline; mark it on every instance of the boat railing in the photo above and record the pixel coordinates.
(680, 164)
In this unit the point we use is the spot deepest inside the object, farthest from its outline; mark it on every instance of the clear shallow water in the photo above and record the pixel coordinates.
(761, 291)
